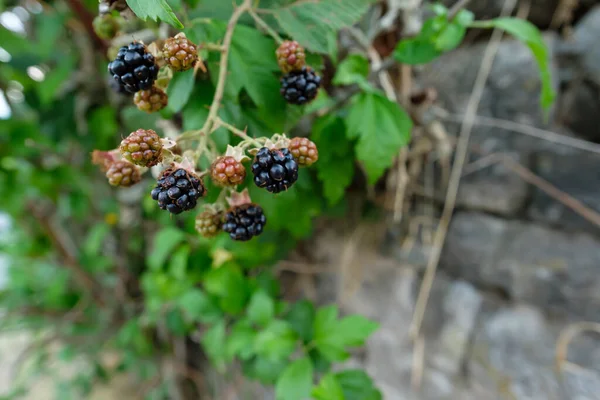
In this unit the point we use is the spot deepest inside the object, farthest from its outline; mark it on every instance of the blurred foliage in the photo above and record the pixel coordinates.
(100, 271)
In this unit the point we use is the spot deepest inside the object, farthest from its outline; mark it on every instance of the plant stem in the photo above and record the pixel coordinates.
(261, 22)
(216, 103)
(238, 132)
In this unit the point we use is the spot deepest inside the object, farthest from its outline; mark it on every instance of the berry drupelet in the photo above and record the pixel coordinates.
(300, 87)
(180, 53)
(244, 222)
(275, 170)
(142, 147)
(178, 190)
(134, 68)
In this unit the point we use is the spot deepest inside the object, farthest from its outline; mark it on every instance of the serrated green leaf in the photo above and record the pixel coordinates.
(261, 308)
(415, 51)
(335, 168)
(230, 286)
(354, 69)
(357, 385)
(179, 90)
(199, 307)
(295, 381)
(382, 128)
(527, 33)
(240, 341)
(276, 341)
(328, 389)
(310, 22)
(164, 243)
(301, 318)
(213, 342)
(155, 10)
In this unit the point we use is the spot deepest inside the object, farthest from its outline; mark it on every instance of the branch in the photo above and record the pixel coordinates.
(216, 104)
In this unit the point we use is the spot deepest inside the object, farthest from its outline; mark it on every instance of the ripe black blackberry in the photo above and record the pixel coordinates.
(300, 87)
(134, 68)
(245, 221)
(275, 170)
(178, 190)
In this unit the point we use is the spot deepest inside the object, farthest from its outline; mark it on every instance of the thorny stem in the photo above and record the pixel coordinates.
(260, 22)
(216, 104)
(238, 132)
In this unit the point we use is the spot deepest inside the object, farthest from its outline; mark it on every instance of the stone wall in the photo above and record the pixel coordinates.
(518, 266)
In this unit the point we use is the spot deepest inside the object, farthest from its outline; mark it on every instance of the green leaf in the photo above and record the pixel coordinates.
(354, 69)
(228, 283)
(261, 308)
(264, 370)
(164, 243)
(179, 90)
(213, 341)
(353, 330)
(95, 239)
(276, 342)
(382, 128)
(357, 385)
(310, 22)
(527, 33)
(301, 318)
(199, 307)
(416, 51)
(240, 341)
(335, 168)
(296, 381)
(328, 389)
(155, 10)
(179, 260)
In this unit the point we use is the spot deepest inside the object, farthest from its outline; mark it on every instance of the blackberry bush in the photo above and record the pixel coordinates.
(244, 222)
(134, 68)
(300, 87)
(275, 170)
(178, 190)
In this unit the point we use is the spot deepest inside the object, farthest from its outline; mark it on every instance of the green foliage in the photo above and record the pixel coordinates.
(527, 33)
(328, 389)
(381, 128)
(295, 381)
(155, 10)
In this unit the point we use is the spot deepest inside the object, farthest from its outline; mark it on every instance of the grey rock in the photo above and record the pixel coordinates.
(576, 173)
(557, 271)
(585, 44)
(512, 93)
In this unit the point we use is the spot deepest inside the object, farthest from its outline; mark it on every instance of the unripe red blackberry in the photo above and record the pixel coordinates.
(134, 68)
(227, 171)
(178, 190)
(290, 56)
(245, 221)
(304, 151)
(300, 87)
(151, 100)
(123, 173)
(209, 223)
(180, 53)
(142, 147)
(275, 170)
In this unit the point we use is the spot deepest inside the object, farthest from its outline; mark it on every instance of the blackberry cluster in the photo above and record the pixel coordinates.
(227, 171)
(180, 53)
(244, 222)
(123, 173)
(134, 68)
(208, 223)
(300, 87)
(178, 190)
(290, 56)
(275, 170)
(304, 151)
(142, 147)
(151, 100)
